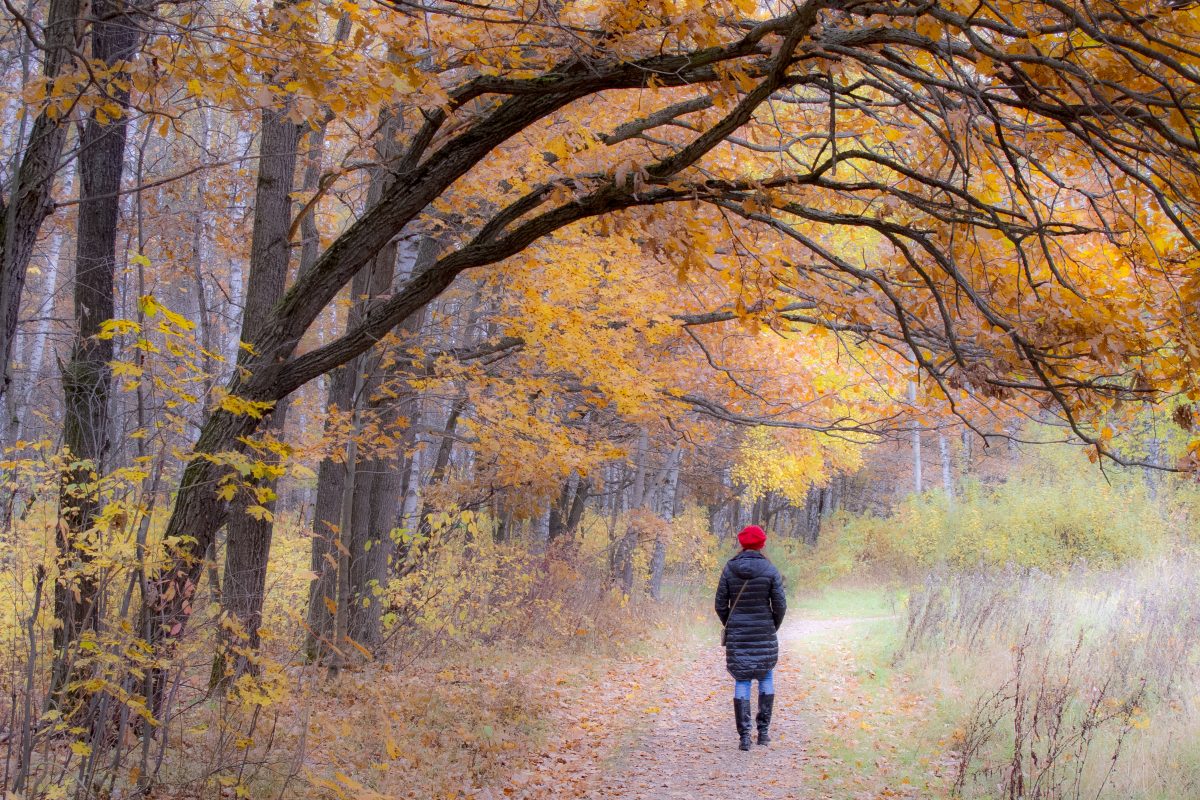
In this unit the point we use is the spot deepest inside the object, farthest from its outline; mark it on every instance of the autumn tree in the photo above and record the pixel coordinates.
(874, 164)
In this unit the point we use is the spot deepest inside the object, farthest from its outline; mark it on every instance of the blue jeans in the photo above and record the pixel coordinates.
(741, 689)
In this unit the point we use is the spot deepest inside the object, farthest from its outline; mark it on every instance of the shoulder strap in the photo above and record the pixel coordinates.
(739, 597)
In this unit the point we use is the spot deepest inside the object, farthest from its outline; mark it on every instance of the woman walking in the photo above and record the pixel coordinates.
(751, 605)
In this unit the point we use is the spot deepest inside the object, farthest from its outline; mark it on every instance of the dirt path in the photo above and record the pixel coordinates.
(688, 746)
(662, 729)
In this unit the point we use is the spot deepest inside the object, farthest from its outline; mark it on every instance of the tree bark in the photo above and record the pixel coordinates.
(250, 523)
(31, 199)
(541, 531)
(200, 242)
(380, 500)
(250, 538)
(816, 509)
(341, 606)
(666, 509)
(624, 560)
(16, 424)
(967, 455)
(87, 377)
(559, 510)
(369, 544)
(411, 556)
(918, 483)
(331, 478)
(578, 506)
(947, 471)
(567, 511)
(376, 498)
(623, 555)
(371, 548)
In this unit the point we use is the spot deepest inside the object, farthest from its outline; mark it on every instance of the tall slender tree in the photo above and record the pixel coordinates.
(250, 523)
(30, 197)
(87, 381)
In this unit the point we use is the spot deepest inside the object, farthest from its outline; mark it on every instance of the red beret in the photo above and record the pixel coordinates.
(752, 537)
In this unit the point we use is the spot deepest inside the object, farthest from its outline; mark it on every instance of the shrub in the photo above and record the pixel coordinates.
(1055, 510)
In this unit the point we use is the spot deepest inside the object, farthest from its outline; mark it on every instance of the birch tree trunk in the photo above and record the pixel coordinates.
(967, 453)
(56, 255)
(623, 555)
(200, 245)
(918, 483)
(947, 471)
(666, 508)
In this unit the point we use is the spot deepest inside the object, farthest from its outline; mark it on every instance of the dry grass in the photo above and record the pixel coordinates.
(1079, 685)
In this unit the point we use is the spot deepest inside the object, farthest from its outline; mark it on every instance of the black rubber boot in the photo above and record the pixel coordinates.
(741, 713)
(765, 703)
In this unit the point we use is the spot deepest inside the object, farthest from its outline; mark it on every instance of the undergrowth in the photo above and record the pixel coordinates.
(482, 643)
(1064, 686)
(1055, 510)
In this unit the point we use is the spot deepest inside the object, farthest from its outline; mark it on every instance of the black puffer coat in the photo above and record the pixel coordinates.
(751, 646)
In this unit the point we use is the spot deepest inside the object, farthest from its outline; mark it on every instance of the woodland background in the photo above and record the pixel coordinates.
(351, 343)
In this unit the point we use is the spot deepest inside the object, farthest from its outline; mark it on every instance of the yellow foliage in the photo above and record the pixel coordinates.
(240, 406)
(790, 462)
(1054, 512)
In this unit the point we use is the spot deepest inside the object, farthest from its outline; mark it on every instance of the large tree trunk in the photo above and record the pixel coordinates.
(816, 508)
(567, 511)
(376, 497)
(249, 531)
(557, 521)
(371, 549)
(624, 560)
(369, 543)
(345, 394)
(331, 482)
(250, 523)
(249, 542)
(31, 199)
(87, 376)
(578, 506)
(758, 510)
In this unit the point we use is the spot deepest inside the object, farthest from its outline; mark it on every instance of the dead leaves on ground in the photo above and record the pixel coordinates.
(646, 729)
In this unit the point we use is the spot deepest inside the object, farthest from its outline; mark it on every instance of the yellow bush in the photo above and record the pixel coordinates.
(1055, 510)
(471, 589)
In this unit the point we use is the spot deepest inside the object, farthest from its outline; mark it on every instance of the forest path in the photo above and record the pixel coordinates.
(688, 747)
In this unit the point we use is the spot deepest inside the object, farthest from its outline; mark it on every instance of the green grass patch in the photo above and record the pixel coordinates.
(850, 600)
